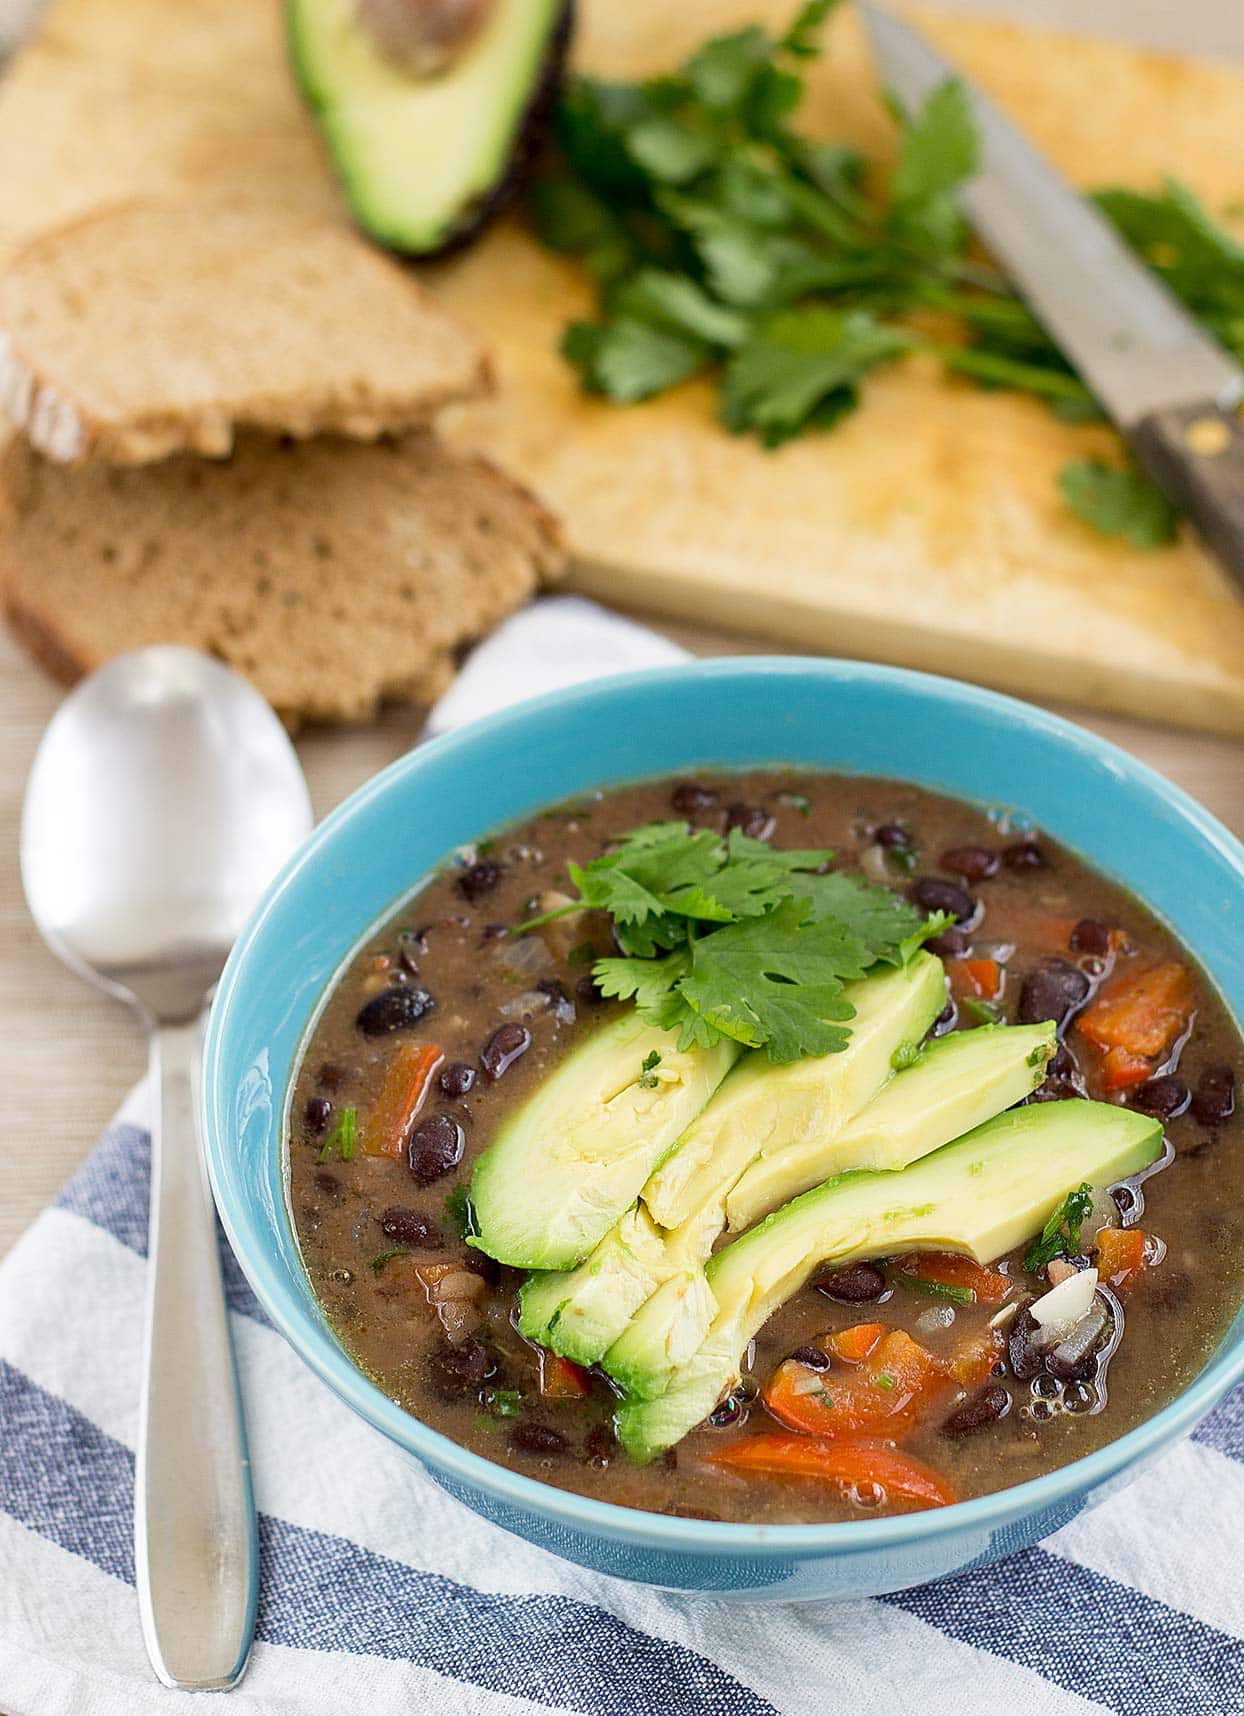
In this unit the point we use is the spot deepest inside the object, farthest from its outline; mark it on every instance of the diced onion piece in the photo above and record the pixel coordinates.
(525, 954)
(530, 1002)
(1072, 1348)
(1064, 1305)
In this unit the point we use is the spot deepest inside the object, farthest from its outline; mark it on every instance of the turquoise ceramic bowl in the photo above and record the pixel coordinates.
(1116, 813)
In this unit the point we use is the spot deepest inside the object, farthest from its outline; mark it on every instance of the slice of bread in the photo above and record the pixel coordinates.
(334, 574)
(150, 328)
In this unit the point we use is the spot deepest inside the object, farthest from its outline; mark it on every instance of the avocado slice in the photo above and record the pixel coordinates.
(572, 1159)
(425, 160)
(581, 1314)
(766, 1108)
(958, 1082)
(983, 1194)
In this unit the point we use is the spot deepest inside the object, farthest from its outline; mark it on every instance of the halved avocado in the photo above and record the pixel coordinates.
(426, 157)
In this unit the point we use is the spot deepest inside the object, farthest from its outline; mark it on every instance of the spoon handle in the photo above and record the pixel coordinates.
(196, 1548)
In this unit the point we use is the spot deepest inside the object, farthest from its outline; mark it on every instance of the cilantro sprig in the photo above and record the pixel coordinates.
(729, 937)
(725, 243)
(1060, 1237)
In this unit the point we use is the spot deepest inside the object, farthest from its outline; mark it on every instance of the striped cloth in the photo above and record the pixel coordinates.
(381, 1593)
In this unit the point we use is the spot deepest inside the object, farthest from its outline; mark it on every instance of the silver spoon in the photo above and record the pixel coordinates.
(164, 796)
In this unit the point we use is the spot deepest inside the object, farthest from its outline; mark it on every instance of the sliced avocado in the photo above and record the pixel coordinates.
(425, 159)
(983, 1194)
(572, 1159)
(958, 1082)
(581, 1314)
(766, 1108)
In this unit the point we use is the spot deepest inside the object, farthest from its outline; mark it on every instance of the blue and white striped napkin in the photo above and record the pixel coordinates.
(380, 1593)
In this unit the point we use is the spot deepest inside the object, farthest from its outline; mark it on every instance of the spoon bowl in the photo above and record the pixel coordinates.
(163, 798)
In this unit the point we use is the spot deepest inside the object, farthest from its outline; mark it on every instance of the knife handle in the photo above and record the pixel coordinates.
(1196, 454)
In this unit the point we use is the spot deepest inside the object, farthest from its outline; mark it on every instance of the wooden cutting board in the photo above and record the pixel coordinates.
(926, 530)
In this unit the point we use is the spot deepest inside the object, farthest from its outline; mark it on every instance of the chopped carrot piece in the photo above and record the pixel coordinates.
(1141, 1012)
(402, 1094)
(1120, 1257)
(853, 1345)
(973, 1363)
(1120, 1070)
(871, 1471)
(978, 978)
(951, 1269)
(561, 1378)
(886, 1394)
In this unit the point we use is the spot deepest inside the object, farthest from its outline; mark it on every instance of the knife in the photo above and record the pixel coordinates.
(1172, 390)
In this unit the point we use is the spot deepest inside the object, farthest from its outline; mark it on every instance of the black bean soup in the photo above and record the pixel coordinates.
(1037, 936)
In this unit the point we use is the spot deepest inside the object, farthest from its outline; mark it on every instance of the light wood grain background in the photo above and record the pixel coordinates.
(68, 1055)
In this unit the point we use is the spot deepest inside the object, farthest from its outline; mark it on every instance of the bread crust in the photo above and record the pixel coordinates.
(336, 575)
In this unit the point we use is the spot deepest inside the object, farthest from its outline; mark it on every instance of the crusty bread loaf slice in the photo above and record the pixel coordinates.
(150, 328)
(335, 574)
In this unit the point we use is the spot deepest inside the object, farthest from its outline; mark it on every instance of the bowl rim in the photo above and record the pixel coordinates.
(313, 1341)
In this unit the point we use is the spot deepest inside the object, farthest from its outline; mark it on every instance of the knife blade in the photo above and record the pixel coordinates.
(1169, 387)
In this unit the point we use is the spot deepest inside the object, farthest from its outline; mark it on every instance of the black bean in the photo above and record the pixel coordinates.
(394, 1010)
(1163, 1097)
(329, 1076)
(1054, 992)
(410, 1227)
(1024, 1355)
(1091, 936)
(456, 1078)
(935, 894)
(945, 1020)
(586, 991)
(316, 1113)
(539, 1439)
(691, 799)
(479, 879)
(985, 1407)
(811, 1356)
(976, 863)
(857, 1284)
(495, 932)
(751, 819)
(893, 836)
(731, 1410)
(457, 1371)
(1024, 855)
(435, 1146)
(1213, 1101)
(487, 1268)
(503, 1048)
(950, 943)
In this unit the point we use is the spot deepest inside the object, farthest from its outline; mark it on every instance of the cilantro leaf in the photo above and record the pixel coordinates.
(671, 152)
(797, 361)
(571, 219)
(629, 360)
(1060, 1237)
(891, 927)
(680, 304)
(1118, 502)
(777, 981)
(939, 152)
(801, 38)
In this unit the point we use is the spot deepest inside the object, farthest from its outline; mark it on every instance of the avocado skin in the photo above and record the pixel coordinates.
(526, 147)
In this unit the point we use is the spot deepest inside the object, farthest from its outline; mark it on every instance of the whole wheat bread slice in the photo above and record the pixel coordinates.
(335, 574)
(152, 327)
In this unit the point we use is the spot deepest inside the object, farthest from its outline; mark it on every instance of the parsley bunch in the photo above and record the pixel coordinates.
(726, 937)
(725, 242)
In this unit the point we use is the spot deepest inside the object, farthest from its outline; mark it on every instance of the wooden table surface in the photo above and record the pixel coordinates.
(69, 1055)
